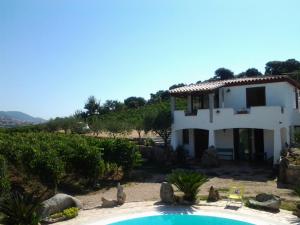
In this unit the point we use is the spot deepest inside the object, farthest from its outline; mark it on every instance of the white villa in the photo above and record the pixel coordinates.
(244, 119)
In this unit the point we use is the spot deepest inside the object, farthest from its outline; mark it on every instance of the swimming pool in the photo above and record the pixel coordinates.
(175, 219)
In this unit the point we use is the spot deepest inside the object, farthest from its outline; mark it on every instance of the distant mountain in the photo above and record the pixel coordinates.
(16, 118)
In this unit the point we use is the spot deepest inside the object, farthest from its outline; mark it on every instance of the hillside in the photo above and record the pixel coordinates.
(16, 118)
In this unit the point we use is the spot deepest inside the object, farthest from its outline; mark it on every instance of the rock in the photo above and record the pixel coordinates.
(210, 158)
(106, 203)
(266, 201)
(58, 203)
(166, 193)
(121, 196)
(214, 195)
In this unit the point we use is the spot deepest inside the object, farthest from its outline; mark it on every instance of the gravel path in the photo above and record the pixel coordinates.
(255, 181)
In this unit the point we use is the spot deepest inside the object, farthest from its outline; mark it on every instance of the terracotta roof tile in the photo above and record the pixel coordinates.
(213, 85)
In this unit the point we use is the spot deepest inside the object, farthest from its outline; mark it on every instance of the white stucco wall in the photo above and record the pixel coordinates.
(278, 113)
(277, 94)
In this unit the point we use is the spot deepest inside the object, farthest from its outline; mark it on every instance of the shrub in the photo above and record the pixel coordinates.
(149, 142)
(188, 182)
(4, 182)
(20, 209)
(52, 156)
(123, 153)
(70, 212)
(297, 191)
(181, 155)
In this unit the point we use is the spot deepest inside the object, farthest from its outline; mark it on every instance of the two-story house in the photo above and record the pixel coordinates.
(244, 119)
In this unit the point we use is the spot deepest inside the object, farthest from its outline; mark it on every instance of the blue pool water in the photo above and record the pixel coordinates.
(181, 220)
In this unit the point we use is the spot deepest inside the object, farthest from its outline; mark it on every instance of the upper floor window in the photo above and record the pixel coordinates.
(199, 102)
(256, 96)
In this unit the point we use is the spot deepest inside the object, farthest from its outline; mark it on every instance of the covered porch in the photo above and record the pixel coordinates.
(241, 144)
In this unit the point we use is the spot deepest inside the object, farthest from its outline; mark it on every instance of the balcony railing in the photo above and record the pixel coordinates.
(261, 116)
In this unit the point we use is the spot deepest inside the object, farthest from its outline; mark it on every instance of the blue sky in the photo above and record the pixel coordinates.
(56, 53)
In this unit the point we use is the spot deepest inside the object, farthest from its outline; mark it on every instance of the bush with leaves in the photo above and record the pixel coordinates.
(188, 182)
(20, 209)
(71, 212)
(4, 182)
(181, 155)
(123, 153)
(53, 156)
(297, 190)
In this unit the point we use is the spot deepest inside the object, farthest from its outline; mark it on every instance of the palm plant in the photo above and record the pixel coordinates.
(20, 209)
(187, 182)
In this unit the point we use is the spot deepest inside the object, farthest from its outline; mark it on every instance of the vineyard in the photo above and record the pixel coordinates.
(55, 157)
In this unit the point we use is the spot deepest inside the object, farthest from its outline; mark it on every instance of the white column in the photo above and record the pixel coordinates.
(211, 138)
(176, 138)
(277, 146)
(173, 138)
(211, 106)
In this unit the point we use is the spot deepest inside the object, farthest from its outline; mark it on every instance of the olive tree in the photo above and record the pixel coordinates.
(159, 120)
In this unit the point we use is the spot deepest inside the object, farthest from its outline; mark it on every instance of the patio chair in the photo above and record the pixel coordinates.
(235, 194)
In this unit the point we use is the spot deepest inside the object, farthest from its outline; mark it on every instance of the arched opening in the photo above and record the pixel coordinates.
(195, 141)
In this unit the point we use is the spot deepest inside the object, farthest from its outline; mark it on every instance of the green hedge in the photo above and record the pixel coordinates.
(53, 155)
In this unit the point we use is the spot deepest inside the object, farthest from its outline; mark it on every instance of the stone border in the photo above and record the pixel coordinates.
(141, 209)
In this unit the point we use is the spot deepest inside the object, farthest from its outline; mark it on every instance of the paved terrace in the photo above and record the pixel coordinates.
(102, 216)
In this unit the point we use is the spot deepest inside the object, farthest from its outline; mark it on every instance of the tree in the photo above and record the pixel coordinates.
(282, 67)
(96, 124)
(177, 86)
(134, 102)
(159, 120)
(52, 125)
(223, 74)
(92, 106)
(114, 126)
(137, 121)
(79, 114)
(251, 72)
(159, 97)
(112, 105)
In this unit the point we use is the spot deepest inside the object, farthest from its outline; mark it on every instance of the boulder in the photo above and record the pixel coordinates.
(58, 203)
(166, 193)
(106, 203)
(213, 195)
(266, 201)
(210, 158)
(121, 196)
